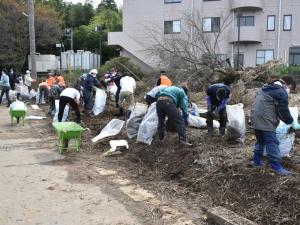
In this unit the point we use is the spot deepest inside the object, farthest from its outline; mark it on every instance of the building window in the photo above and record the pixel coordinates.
(271, 23)
(172, 1)
(294, 59)
(263, 56)
(247, 21)
(287, 22)
(211, 24)
(172, 27)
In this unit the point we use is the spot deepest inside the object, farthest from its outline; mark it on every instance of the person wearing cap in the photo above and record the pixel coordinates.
(169, 101)
(217, 97)
(89, 82)
(269, 107)
(28, 80)
(5, 87)
(70, 96)
(163, 79)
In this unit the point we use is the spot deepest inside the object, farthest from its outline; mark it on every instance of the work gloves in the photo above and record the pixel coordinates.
(296, 125)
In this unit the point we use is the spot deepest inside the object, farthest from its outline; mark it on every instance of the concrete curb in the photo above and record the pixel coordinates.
(221, 216)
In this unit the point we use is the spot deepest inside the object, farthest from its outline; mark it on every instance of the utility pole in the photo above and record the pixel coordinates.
(238, 42)
(32, 38)
(99, 29)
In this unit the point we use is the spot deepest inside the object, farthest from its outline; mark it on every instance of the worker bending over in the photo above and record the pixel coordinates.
(69, 96)
(217, 97)
(128, 86)
(169, 100)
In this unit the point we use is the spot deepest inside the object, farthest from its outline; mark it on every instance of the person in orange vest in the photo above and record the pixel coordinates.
(60, 79)
(50, 80)
(163, 79)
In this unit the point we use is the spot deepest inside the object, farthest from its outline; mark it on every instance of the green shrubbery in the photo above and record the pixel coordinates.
(292, 70)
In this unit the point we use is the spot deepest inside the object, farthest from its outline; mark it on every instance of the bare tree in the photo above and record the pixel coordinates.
(193, 46)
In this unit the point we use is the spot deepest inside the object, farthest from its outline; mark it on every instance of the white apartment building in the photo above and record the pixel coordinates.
(269, 29)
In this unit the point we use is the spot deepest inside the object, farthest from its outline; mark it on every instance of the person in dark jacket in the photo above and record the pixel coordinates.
(217, 97)
(271, 106)
(89, 82)
(116, 79)
(12, 78)
(169, 101)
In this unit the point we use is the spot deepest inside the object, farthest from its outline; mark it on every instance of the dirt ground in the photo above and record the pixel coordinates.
(212, 173)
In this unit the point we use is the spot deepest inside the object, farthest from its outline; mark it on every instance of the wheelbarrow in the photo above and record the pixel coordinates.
(17, 114)
(67, 131)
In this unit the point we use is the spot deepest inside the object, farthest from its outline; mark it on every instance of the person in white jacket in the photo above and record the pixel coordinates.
(28, 80)
(128, 86)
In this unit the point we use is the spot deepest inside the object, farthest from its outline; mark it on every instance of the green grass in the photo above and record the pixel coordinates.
(285, 70)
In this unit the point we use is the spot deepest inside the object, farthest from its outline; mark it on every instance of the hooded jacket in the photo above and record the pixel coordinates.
(270, 106)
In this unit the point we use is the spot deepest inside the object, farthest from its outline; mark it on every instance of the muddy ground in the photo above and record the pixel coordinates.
(211, 173)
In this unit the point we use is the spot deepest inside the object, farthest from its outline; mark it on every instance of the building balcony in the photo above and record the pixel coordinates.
(246, 4)
(248, 35)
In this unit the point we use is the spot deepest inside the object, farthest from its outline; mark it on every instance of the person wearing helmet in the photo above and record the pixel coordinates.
(217, 97)
(89, 82)
(28, 80)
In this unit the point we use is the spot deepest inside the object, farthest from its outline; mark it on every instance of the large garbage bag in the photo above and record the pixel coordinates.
(100, 101)
(236, 123)
(285, 137)
(111, 129)
(135, 119)
(200, 122)
(24, 92)
(148, 127)
(18, 105)
(32, 93)
(65, 115)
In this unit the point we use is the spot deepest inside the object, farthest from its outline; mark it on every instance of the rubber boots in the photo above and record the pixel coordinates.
(278, 168)
(257, 160)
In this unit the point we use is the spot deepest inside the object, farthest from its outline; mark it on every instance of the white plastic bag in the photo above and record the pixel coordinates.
(111, 129)
(286, 139)
(32, 93)
(148, 126)
(112, 89)
(236, 130)
(18, 105)
(194, 110)
(24, 93)
(200, 122)
(100, 101)
(135, 119)
(65, 115)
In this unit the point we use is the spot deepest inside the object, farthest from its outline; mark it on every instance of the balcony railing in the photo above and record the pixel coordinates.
(248, 35)
(247, 4)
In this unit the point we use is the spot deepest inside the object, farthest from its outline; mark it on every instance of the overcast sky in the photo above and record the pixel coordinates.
(96, 2)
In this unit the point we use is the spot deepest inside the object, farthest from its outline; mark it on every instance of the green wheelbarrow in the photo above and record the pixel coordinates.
(67, 131)
(17, 114)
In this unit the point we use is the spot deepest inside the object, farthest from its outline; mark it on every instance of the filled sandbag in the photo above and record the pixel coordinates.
(100, 101)
(135, 119)
(236, 130)
(148, 126)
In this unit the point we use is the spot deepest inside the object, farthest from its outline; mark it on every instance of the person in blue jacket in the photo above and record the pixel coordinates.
(271, 106)
(5, 87)
(89, 82)
(217, 97)
(169, 101)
